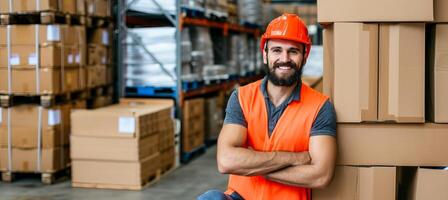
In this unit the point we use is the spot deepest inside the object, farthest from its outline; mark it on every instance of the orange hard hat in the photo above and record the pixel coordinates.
(287, 27)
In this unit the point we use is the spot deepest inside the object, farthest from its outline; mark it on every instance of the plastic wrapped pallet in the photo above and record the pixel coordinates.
(194, 4)
(156, 68)
(232, 55)
(152, 6)
(250, 11)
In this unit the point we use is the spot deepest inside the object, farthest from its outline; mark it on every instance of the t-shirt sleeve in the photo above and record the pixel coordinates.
(325, 123)
(234, 113)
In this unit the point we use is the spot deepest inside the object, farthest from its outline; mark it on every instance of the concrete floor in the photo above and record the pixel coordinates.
(186, 182)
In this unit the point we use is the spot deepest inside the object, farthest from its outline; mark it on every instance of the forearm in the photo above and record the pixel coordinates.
(308, 176)
(248, 162)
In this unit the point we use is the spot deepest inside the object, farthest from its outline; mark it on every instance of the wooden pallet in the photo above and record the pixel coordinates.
(45, 100)
(151, 180)
(49, 100)
(44, 17)
(47, 178)
(98, 22)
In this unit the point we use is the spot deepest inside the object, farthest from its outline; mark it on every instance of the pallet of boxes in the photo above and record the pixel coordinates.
(99, 71)
(124, 146)
(43, 58)
(40, 73)
(392, 131)
(192, 129)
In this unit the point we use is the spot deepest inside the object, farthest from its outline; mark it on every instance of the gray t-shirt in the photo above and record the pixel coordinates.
(324, 124)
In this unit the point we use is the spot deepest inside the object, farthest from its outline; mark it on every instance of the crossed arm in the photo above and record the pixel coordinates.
(313, 169)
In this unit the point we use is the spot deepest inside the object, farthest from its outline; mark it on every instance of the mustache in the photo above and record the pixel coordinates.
(289, 64)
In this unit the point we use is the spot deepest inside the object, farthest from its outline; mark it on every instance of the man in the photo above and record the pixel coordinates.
(279, 136)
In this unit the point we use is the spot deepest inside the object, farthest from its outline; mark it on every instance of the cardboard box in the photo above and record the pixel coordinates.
(100, 8)
(25, 160)
(101, 36)
(328, 62)
(355, 70)
(98, 55)
(24, 127)
(375, 11)
(193, 124)
(96, 76)
(72, 79)
(125, 121)
(81, 7)
(359, 183)
(167, 158)
(393, 144)
(166, 136)
(25, 56)
(28, 6)
(430, 184)
(25, 34)
(113, 149)
(214, 118)
(438, 74)
(23, 81)
(402, 73)
(440, 8)
(113, 174)
(70, 54)
(68, 6)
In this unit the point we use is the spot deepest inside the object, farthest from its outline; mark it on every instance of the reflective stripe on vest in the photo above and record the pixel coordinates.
(291, 134)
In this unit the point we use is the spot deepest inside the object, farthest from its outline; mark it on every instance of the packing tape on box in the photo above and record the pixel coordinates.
(39, 140)
(10, 6)
(9, 142)
(37, 55)
(8, 43)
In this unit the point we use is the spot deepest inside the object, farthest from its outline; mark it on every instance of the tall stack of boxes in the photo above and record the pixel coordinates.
(376, 54)
(37, 61)
(193, 125)
(128, 145)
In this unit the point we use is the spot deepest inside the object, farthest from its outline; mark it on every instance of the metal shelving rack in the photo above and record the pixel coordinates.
(126, 18)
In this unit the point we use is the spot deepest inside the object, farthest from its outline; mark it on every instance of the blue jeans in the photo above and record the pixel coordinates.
(218, 195)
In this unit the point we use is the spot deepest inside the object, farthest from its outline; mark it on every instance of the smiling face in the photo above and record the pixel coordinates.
(285, 60)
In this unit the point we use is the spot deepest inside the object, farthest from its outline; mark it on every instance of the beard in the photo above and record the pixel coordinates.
(286, 81)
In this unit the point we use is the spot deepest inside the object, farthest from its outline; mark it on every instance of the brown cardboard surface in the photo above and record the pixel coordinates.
(69, 55)
(167, 158)
(25, 160)
(438, 70)
(98, 8)
(440, 8)
(68, 6)
(72, 79)
(25, 56)
(100, 36)
(375, 11)
(24, 126)
(393, 144)
(81, 7)
(113, 149)
(25, 34)
(430, 184)
(359, 183)
(355, 71)
(402, 73)
(113, 174)
(214, 118)
(193, 107)
(328, 62)
(97, 55)
(118, 120)
(28, 6)
(23, 81)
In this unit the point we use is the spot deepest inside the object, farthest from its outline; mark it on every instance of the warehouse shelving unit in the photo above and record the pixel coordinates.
(183, 90)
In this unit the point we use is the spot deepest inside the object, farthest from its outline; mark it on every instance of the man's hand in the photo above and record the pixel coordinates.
(234, 158)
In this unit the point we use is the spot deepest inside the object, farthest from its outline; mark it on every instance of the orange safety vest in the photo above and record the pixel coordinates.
(291, 134)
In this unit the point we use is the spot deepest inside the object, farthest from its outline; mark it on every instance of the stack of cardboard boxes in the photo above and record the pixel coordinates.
(374, 73)
(193, 125)
(214, 117)
(128, 145)
(36, 61)
(34, 139)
